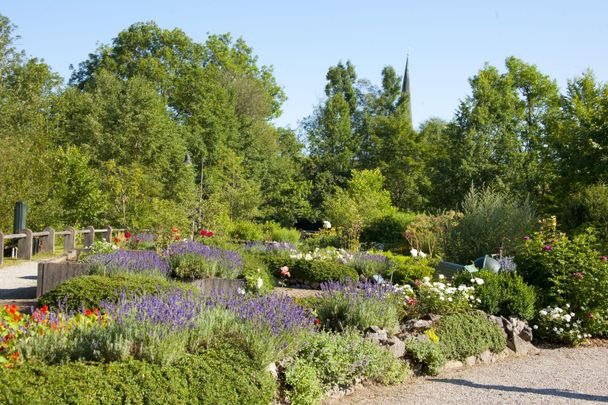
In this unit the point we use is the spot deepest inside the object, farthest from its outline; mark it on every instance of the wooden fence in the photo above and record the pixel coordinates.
(46, 238)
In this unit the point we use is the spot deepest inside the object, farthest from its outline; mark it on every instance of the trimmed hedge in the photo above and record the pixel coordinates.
(223, 375)
(89, 291)
(464, 335)
(310, 270)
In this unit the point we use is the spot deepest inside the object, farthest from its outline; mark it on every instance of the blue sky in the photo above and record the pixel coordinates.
(448, 41)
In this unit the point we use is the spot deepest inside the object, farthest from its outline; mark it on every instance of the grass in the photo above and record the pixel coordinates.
(40, 256)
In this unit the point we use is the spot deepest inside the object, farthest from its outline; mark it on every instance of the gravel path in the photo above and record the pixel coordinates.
(18, 281)
(559, 376)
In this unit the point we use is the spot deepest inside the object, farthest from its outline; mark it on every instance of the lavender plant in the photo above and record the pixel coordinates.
(191, 260)
(369, 264)
(344, 305)
(128, 261)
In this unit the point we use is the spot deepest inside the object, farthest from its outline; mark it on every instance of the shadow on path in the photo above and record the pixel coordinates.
(17, 293)
(539, 391)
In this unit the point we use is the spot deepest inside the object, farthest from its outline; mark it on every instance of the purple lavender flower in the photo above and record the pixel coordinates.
(132, 261)
(229, 258)
(507, 264)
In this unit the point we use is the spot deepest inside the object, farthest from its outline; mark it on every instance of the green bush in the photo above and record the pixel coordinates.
(464, 335)
(567, 273)
(491, 219)
(310, 270)
(254, 270)
(246, 231)
(302, 386)
(340, 358)
(387, 231)
(588, 208)
(503, 293)
(223, 375)
(427, 354)
(408, 269)
(277, 233)
(89, 291)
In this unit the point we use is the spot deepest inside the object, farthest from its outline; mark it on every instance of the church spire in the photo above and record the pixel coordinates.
(405, 87)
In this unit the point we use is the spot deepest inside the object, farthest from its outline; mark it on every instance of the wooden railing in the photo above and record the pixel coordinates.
(25, 239)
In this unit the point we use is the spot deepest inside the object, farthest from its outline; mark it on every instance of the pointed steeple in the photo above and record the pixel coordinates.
(405, 87)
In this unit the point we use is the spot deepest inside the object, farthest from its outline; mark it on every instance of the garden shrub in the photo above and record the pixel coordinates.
(428, 233)
(359, 306)
(254, 270)
(248, 231)
(277, 233)
(340, 358)
(491, 219)
(317, 270)
(386, 232)
(426, 353)
(503, 293)
(567, 273)
(220, 375)
(463, 335)
(325, 238)
(408, 269)
(89, 291)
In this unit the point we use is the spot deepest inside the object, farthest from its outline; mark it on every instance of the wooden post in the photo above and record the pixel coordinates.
(108, 234)
(48, 242)
(89, 237)
(69, 242)
(1, 248)
(25, 245)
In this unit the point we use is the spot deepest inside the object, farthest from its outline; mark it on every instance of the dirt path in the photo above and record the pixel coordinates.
(560, 376)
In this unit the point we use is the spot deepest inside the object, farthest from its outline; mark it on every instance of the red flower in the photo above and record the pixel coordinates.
(177, 237)
(88, 312)
(15, 356)
(210, 234)
(116, 239)
(44, 309)
(204, 233)
(317, 322)
(128, 235)
(175, 229)
(410, 301)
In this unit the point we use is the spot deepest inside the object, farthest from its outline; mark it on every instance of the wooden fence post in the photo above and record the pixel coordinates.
(1, 248)
(108, 234)
(89, 237)
(48, 242)
(69, 243)
(25, 245)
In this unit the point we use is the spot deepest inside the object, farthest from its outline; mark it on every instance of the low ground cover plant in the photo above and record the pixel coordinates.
(441, 297)
(337, 360)
(463, 335)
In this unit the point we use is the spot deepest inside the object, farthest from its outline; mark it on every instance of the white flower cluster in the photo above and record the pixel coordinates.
(341, 255)
(417, 253)
(561, 322)
(101, 246)
(446, 291)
